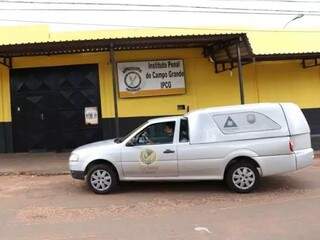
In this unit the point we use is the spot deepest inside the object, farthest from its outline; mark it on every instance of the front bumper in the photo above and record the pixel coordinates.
(77, 174)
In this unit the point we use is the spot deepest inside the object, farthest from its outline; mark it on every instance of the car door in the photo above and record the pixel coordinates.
(199, 161)
(151, 152)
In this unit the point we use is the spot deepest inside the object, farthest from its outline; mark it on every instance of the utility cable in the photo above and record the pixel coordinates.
(217, 11)
(136, 26)
(145, 5)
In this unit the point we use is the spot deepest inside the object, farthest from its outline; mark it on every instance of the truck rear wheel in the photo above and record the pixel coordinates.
(242, 177)
(102, 179)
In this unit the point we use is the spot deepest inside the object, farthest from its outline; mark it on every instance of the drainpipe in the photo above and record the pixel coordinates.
(240, 77)
(115, 92)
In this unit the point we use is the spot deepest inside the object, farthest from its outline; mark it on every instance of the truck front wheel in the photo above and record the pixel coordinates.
(102, 179)
(242, 177)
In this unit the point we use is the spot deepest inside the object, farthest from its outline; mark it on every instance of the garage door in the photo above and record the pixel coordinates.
(48, 106)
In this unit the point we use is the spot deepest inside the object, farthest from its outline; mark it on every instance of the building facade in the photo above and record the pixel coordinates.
(44, 99)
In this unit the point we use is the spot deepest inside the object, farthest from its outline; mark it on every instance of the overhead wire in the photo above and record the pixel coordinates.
(217, 11)
(91, 24)
(135, 26)
(155, 8)
(278, 1)
(204, 8)
(145, 5)
(151, 8)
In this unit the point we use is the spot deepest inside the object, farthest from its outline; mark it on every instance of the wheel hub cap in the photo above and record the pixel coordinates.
(243, 178)
(100, 180)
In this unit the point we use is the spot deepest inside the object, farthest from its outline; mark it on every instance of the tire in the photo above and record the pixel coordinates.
(242, 177)
(102, 179)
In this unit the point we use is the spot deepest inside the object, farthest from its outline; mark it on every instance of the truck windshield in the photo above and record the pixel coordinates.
(121, 139)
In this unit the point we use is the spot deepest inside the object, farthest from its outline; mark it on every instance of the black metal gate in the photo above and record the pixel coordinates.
(48, 107)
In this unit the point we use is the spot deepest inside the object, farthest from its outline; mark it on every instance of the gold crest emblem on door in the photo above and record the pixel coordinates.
(148, 156)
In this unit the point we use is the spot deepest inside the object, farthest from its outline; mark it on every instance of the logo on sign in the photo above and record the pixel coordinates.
(132, 78)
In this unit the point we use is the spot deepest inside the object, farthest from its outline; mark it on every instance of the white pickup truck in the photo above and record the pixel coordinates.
(238, 144)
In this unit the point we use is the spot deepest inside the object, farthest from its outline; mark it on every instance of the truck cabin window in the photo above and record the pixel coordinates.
(244, 122)
(158, 133)
(184, 131)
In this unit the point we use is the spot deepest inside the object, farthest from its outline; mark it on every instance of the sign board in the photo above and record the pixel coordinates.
(91, 115)
(151, 78)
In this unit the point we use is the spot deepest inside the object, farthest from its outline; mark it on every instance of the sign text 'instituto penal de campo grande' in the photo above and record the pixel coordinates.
(151, 78)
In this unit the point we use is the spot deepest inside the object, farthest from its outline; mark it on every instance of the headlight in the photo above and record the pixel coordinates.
(74, 158)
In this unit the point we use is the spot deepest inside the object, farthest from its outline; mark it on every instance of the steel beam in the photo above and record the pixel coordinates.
(240, 73)
(115, 90)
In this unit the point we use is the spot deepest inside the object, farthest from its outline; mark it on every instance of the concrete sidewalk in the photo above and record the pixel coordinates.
(49, 163)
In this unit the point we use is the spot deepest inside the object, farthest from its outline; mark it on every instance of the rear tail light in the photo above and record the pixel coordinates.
(291, 146)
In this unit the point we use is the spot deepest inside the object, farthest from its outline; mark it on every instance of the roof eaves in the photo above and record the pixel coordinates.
(78, 46)
(286, 56)
(170, 36)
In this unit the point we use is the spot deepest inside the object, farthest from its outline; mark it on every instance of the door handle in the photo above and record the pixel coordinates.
(168, 151)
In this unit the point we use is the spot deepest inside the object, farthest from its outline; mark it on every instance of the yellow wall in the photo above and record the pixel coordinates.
(24, 34)
(270, 42)
(287, 81)
(5, 108)
(263, 82)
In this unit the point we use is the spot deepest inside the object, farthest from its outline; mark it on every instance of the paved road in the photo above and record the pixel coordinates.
(59, 208)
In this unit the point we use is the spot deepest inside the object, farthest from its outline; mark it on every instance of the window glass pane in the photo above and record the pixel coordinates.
(158, 133)
(184, 131)
(244, 122)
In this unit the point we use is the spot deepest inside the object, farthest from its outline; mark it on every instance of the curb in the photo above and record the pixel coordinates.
(34, 173)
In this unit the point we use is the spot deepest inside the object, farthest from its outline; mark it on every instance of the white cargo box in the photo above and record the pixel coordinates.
(245, 122)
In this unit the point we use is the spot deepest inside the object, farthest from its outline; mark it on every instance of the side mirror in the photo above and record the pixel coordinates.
(131, 143)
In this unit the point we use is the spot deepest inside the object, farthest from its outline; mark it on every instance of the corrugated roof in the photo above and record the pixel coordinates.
(262, 42)
(98, 45)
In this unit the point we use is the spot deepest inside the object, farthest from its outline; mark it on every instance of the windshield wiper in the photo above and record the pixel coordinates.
(119, 140)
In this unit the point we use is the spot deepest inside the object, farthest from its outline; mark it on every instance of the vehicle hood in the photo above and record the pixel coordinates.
(105, 146)
(96, 144)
